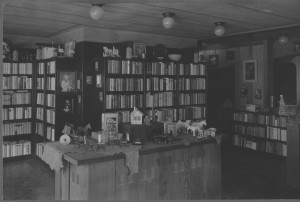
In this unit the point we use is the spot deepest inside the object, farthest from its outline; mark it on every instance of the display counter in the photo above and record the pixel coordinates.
(180, 170)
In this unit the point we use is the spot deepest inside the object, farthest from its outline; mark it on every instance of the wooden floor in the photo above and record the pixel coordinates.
(245, 175)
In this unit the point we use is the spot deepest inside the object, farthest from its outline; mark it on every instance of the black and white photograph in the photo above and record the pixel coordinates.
(223, 73)
(67, 81)
(250, 70)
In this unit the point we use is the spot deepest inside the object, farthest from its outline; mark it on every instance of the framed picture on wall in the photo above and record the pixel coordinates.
(139, 50)
(297, 46)
(67, 81)
(213, 59)
(250, 70)
(257, 93)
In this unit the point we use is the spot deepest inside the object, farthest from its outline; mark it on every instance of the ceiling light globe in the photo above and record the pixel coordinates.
(283, 39)
(219, 30)
(168, 22)
(96, 12)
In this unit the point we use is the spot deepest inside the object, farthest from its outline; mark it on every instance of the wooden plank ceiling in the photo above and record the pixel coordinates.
(194, 19)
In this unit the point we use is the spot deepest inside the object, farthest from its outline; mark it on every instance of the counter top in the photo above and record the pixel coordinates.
(80, 158)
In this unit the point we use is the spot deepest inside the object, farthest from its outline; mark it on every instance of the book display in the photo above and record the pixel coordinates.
(55, 96)
(167, 90)
(260, 131)
(17, 108)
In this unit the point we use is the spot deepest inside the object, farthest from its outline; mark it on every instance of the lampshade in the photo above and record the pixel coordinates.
(219, 29)
(168, 20)
(283, 39)
(96, 12)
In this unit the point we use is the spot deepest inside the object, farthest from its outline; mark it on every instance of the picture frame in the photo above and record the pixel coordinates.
(67, 81)
(296, 46)
(67, 105)
(250, 70)
(139, 50)
(110, 122)
(257, 93)
(213, 59)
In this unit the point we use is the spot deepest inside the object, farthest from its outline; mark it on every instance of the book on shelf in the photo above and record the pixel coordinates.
(16, 148)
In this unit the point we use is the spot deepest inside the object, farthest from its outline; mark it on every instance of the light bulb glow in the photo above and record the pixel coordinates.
(283, 39)
(219, 30)
(168, 22)
(96, 12)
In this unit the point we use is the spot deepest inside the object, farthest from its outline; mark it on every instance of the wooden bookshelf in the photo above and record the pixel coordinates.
(54, 105)
(17, 112)
(259, 131)
(174, 90)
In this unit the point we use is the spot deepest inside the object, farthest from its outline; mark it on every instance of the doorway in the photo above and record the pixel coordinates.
(220, 98)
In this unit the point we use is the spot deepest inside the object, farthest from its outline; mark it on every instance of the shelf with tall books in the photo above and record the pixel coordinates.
(192, 91)
(55, 96)
(123, 86)
(260, 131)
(172, 90)
(17, 108)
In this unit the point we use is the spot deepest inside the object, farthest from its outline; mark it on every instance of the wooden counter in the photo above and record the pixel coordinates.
(166, 171)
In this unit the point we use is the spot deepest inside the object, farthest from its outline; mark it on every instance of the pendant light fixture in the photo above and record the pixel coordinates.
(96, 11)
(168, 20)
(219, 28)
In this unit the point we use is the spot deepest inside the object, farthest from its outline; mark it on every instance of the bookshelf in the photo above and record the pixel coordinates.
(17, 112)
(259, 131)
(176, 91)
(56, 96)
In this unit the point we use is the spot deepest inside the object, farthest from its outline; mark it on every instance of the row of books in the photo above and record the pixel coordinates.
(192, 84)
(50, 133)
(19, 128)
(279, 148)
(50, 116)
(40, 98)
(11, 149)
(51, 66)
(16, 98)
(50, 83)
(257, 131)
(124, 67)
(161, 84)
(190, 113)
(16, 113)
(40, 83)
(276, 133)
(121, 84)
(17, 68)
(261, 131)
(40, 113)
(162, 68)
(39, 149)
(41, 68)
(192, 99)
(16, 82)
(39, 128)
(50, 102)
(242, 141)
(123, 101)
(272, 120)
(192, 69)
(162, 99)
